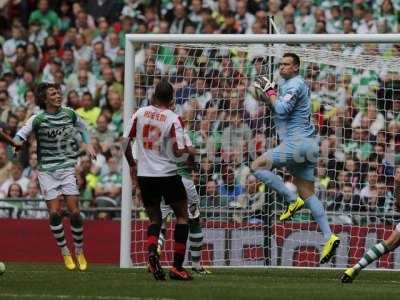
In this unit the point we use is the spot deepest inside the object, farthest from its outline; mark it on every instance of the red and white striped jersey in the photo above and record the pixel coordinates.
(156, 131)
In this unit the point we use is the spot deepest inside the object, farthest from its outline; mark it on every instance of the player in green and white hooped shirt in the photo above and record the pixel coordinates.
(381, 248)
(55, 129)
(195, 232)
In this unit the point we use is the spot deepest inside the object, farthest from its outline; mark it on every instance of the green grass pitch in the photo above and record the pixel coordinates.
(48, 281)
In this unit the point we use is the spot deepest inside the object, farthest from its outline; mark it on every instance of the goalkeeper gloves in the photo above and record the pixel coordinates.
(266, 85)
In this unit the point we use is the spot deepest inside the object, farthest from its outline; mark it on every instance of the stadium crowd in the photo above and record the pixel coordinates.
(80, 45)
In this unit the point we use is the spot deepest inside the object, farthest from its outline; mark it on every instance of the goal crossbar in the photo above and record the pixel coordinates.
(263, 38)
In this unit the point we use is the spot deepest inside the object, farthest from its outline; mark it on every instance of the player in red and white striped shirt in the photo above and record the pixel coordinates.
(160, 145)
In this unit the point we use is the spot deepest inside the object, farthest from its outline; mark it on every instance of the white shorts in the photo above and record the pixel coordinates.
(192, 197)
(59, 182)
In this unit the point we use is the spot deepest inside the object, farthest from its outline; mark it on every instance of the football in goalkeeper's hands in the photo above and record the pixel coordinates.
(264, 84)
(260, 87)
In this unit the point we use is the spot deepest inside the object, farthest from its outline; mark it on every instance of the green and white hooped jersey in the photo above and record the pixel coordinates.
(183, 169)
(56, 135)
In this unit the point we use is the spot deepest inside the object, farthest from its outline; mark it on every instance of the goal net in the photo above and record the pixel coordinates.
(355, 97)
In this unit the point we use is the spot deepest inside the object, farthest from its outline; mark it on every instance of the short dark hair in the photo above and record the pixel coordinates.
(295, 57)
(87, 94)
(164, 91)
(41, 93)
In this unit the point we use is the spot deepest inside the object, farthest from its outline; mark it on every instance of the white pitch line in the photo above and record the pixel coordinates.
(45, 296)
(67, 272)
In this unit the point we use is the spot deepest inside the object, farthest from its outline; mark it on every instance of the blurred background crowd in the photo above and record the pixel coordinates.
(80, 45)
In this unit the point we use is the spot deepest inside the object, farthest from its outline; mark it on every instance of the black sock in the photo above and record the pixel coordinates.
(180, 237)
(153, 231)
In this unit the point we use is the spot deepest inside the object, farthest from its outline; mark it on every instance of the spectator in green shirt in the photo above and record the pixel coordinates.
(110, 184)
(47, 17)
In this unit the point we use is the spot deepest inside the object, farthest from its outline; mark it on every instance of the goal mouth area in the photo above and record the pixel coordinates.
(338, 74)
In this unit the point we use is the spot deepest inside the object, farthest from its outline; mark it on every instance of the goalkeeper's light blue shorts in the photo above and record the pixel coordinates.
(298, 156)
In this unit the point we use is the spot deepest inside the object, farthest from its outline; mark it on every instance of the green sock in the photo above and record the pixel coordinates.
(371, 255)
(195, 241)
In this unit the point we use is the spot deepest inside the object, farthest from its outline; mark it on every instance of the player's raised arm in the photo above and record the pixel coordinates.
(267, 90)
(282, 104)
(7, 139)
(286, 103)
(22, 134)
(82, 127)
(138, 201)
(130, 155)
(128, 137)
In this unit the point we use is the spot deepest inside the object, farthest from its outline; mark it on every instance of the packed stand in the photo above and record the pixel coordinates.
(80, 45)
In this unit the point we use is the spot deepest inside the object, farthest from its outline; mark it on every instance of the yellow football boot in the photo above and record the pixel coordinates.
(349, 275)
(69, 262)
(82, 263)
(201, 271)
(291, 209)
(329, 249)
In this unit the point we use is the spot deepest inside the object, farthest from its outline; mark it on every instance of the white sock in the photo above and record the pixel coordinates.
(65, 251)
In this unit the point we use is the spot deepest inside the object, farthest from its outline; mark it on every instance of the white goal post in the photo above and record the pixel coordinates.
(215, 40)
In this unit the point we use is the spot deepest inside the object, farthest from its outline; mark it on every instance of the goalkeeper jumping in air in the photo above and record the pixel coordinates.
(298, 150)
(380, 249)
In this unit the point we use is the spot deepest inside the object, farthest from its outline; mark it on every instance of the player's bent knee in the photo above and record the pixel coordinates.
(394, 239)
(55, 218)
(263, 175)
(76, 219)
(262, 162)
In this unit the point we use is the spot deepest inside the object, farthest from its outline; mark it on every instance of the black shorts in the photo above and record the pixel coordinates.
(170, 188)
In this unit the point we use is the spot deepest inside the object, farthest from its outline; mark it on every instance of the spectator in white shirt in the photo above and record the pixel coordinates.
(10, 45)
(245, 18)
(15, 177)
(81, 50)
(38, 203)
(112, 45)
(368, 24)
(376, 119)
(179, 21)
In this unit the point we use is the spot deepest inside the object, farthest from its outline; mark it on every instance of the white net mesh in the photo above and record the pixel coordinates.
(356, 103)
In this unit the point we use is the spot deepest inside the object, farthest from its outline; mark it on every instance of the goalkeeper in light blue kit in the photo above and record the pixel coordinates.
(298, 150)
